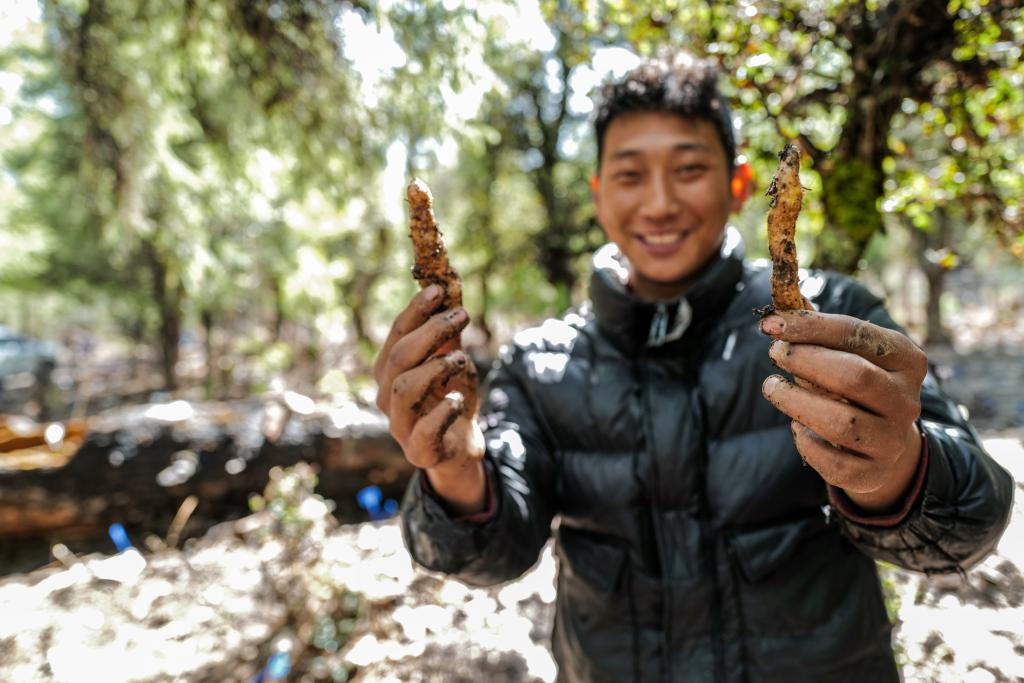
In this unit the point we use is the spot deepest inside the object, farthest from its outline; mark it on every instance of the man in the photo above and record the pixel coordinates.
(694, 543)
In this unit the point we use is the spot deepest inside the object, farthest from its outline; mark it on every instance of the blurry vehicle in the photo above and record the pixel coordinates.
(24, 358)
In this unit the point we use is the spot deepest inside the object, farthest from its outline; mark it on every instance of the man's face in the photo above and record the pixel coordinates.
(663, 196)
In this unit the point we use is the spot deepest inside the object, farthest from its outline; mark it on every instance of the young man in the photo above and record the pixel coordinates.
(694, 542)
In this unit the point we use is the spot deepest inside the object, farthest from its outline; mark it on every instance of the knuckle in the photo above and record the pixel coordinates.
(836, 470)
(400, 385)
(912, 409)
(862, 375)
(397, 359)
(847, 430)
(919, 363)
(451, 326)
(403, 325)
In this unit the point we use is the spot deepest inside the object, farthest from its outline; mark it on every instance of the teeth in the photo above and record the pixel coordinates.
(661, 239)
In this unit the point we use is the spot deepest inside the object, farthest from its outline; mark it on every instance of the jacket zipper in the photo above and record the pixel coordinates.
(666, 610)
(734, 567)
(707, 544)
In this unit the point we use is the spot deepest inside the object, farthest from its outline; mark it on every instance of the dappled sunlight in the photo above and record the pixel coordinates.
(221, 608)
(205, 259)
(953, 630)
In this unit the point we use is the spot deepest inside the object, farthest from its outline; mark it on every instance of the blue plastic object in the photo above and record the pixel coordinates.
(120, 537)
(370, 499)
(278, 667)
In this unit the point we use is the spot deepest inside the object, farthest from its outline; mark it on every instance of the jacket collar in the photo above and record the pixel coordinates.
(635, 324)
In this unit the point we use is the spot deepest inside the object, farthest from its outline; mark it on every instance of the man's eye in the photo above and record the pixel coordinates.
(627, 176)
(690, 169)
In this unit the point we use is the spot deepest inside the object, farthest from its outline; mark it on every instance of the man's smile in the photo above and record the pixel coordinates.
(662, 243)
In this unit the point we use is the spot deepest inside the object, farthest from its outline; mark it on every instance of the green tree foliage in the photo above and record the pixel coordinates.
(840, 77)
(528, 127)
(236, 168)
(178, 134)
(197, 158)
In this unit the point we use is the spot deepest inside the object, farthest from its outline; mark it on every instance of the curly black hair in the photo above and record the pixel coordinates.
(675, 82)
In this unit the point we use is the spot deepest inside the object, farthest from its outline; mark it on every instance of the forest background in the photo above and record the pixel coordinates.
(213, 190)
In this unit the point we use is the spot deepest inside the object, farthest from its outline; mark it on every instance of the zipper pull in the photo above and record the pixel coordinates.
(659, 326)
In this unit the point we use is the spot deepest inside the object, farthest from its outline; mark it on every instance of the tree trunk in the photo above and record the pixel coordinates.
(851, 192)
(482, 318)
(206, 320)
(935, 274)
(170, 333)
(888, 51)
(168, 294)
(359, 290)
(553, 243)
(278, 298)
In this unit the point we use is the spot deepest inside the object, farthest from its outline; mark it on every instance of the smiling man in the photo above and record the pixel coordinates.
(663, 196)
(695, 543)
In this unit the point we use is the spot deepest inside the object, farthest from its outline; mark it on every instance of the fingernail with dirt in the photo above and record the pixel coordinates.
(770, 384)
(773, 324)
(456, 316)
(777, 351)
(433, 292)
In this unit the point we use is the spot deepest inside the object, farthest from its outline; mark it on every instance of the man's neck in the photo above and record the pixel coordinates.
(660, 292)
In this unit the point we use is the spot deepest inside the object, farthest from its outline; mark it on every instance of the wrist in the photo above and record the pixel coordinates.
(898, 484)
(461, 484)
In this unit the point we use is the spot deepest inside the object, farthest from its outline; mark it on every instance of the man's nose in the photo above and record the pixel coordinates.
(661, 201)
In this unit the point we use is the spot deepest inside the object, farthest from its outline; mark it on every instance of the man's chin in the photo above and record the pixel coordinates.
(662, 285)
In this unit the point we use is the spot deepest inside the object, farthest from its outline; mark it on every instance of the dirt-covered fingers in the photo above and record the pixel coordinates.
(419, 310)
(466, 381)
(410, 350)
(843, 375)
(428, 444)
(841, 424)
(415, 392)
(885, 348)
(844, 469)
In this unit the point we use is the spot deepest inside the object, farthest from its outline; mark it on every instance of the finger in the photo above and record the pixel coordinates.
(464, 438)
(423, 342)
(836, 466)
(841, 424)
(887, 349)
(415, 392)
(415, 314)
(843, 375)
(426, 442)
(467, 382)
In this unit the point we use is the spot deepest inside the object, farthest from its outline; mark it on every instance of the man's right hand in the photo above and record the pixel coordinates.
(427, 386)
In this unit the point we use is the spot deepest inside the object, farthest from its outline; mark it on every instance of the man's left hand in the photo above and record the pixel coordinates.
(863, 438)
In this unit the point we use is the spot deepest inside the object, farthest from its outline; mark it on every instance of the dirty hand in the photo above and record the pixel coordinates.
(427, 386)
(863, 439)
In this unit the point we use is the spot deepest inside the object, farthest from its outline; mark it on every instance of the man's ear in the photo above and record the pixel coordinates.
(742, 185)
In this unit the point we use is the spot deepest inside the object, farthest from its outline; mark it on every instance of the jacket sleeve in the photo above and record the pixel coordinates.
(519, 466)
(966, 499)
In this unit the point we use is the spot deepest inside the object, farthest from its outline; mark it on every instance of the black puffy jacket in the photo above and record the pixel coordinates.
(693, 543)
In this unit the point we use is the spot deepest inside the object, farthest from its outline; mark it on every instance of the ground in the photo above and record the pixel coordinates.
(216, 611)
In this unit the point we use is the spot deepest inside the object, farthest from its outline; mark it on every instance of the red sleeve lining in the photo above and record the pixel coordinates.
(841, 502)
(482, 517)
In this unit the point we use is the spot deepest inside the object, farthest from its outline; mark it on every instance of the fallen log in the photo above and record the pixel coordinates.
(136, 465)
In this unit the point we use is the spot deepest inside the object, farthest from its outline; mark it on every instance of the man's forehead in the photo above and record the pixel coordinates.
(625, 152)
(639, 132)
